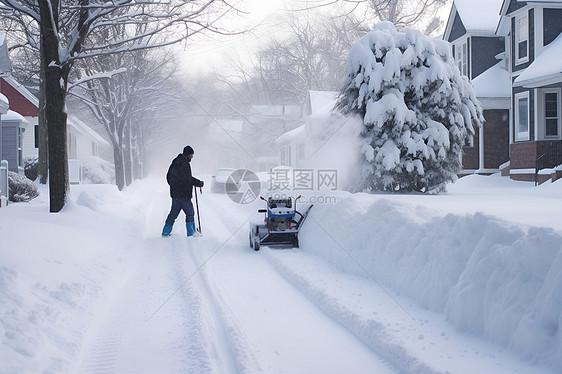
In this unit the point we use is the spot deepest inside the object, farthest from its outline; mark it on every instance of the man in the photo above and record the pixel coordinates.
(181, 188)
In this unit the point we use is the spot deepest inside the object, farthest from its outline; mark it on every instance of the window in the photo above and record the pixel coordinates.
(522, 116)
(551, 109)
(461, 57)
(522, 39)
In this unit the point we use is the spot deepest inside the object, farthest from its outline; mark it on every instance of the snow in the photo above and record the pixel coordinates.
(494, 82)
(413, 102)
(546, 69)
(465, 282)
(479, 15)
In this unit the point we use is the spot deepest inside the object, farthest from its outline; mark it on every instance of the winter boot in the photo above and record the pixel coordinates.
(167, 230)
(190, 226)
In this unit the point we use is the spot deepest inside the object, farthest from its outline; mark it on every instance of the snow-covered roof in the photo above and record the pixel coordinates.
(4, 104)
(546, 69)
(275, 110)
(320, 100)
(226, 128)
(479, 15)
(494, 82)
(291, 135)
(82, 128)
(14, 117)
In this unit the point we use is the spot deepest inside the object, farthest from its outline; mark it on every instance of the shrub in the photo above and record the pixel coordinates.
(97, 171)
(30, 167)
(417, 110)
(20, 188)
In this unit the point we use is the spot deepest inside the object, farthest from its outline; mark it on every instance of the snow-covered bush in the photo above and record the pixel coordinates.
(30, 167)
(98, 171)
(20, 188)
(417, 110)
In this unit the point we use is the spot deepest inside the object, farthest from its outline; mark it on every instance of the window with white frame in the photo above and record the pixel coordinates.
(461, 56)
(551, 111)
(522, 118)
(522, 38)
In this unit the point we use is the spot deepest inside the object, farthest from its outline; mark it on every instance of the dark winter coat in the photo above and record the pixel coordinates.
(180, 179)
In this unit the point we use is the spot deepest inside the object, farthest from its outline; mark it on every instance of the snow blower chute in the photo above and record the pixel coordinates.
(282, 224)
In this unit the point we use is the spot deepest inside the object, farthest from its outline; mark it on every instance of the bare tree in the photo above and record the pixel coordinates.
(126, 99)
(66, 30)
(404, 13)
(310, 57)
(422, 14)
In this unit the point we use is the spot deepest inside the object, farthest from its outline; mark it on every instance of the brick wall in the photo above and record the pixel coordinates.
(470, 155)
(496, 138)
(524, 155)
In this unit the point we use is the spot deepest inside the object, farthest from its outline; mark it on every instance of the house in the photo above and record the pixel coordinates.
(533, 47)
(4, 104)
(13, 128)
(262, 126)
(479, 53)
(83, 142)
(297, 146)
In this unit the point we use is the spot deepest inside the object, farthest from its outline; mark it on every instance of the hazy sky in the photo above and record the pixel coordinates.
(263, 17)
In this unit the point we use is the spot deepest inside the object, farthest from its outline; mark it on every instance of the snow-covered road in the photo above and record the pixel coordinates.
(95, 289)
(211, 304)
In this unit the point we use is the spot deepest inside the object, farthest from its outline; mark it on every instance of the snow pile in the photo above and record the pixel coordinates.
(55, 272)
(489, 277)
(68, 280)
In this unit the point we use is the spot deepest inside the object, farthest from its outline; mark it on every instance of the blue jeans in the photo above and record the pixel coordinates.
(179, 204)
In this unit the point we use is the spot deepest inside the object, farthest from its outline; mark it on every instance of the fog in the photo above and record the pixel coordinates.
(249, 100)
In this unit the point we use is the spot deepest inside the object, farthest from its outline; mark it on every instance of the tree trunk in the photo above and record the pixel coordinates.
(127, 155)
(43, 159)
(55, 97)
(119, 167)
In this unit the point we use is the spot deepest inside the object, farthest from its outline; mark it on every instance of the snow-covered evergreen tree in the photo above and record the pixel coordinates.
(418, 111)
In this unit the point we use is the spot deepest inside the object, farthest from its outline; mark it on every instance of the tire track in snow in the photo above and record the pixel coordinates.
(124, 339)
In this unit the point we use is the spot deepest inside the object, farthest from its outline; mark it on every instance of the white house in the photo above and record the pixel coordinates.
(83, 142)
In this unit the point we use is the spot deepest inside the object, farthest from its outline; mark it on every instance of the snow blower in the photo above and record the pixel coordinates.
(282, 224)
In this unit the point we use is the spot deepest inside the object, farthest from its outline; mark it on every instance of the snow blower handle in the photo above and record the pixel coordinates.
(198, 215)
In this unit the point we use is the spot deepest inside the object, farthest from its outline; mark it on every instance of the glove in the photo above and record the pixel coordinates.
(202, 183)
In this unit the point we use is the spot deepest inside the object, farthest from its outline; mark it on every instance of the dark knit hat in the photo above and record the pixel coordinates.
(188, 150)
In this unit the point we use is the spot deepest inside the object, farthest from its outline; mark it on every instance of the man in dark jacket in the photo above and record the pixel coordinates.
(181, 188)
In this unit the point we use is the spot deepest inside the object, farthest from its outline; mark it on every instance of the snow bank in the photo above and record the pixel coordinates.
(55, 273)
(489, 277)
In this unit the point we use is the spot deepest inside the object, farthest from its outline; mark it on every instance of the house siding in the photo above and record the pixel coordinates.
(551, 24)
(10, 146)
(517, 67)
(18, 102)
(457, 30)
(514, 5)
(484, 50)
(496, 128)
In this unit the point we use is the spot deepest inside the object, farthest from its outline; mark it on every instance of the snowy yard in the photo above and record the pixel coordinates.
(465, 282)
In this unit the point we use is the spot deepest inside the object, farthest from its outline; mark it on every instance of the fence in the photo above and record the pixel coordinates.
(3, 183)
